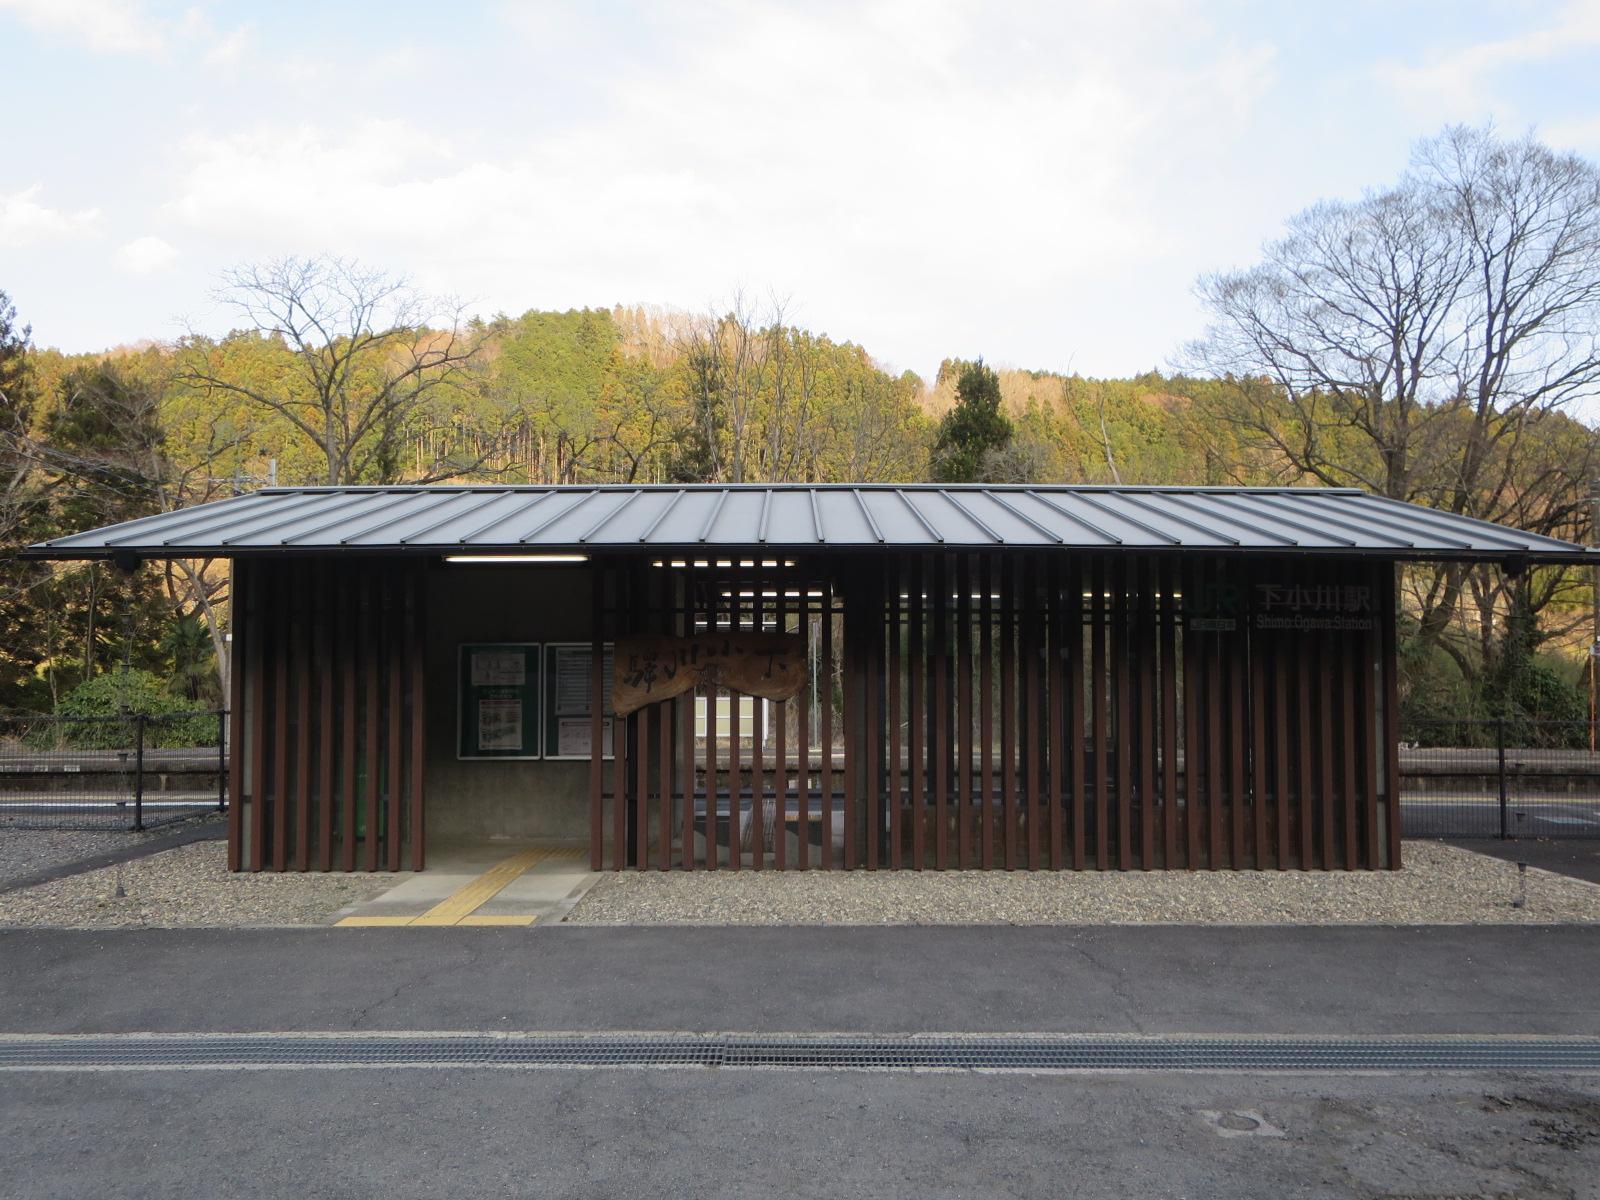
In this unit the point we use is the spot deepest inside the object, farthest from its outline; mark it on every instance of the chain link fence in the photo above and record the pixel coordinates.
(1499, 779)
(119, 772)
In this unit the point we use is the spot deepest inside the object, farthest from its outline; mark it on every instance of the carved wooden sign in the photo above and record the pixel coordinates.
(653, 667)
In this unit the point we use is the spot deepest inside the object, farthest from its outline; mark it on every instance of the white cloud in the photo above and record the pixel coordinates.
(887, 164)
(109, 26)
(146, 256)
(1457, 83)
(25, 222)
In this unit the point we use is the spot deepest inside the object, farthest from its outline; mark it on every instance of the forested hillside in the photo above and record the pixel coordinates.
(1435, 342)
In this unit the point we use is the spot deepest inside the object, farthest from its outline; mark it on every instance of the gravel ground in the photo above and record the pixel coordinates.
(190, 885)
(1439, 885)
(25, 851)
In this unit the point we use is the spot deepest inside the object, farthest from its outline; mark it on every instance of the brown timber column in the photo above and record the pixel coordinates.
(964, 711)
(896, 580)
(916, 612)
(327, 681)
(802, 737)
(393, 627)
(239, 589)
(1123, 733)
(280, 722)
(1097, 711)
(1388, 584)
(1193, 755)
(1074, 645)
(1008, 705)
(986, 712)
(1145, 629)
(351, 624)
(825, 850)
(619, 732)
(597, 747)
(641, 618)
(941, 711)
(1056, 772)
(686, 753)
(300, 663)
(1168, 583)
(662, 585)
(415, 617)
(1035, 729)
(850, 702)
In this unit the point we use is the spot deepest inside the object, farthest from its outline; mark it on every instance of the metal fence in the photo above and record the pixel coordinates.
(118, 772)
(1499, 779)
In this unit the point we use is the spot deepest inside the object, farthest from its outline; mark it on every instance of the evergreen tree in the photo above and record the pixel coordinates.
(972, 429)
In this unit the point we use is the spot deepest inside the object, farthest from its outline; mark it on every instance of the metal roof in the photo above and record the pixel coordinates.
(797, 517)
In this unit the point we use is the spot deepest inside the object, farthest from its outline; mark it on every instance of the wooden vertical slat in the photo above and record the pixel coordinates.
(641, 618)
(1123, 732)
(416, 616)
(1034, 718)
(1008, 706)
(1193, 752)
(240, 582)
(897, 577)
(803, 740)
(941, 711)
(1211, 667)
(597, 745)
(735, 758)
(964, 806)
(1056, 773)
(1074, 638)
(255, 635)
(326, 682)
(1146, 625)
(1391, 712)
(349, 661)
(686, 749)
(1168, 583)
(1281, 808)
(300, 669)
(757, 751)
(393, 629)
(850, 705)
(281, 790)
(916, 612)
(1238, 788)
(1327, 695)
(1348, 647)
(1368, 725)
(825, 716)
(1097, 711)
(780, 832)
(986, 711)
(620, 727)
(873, 702)
(1301, 753)
(372, 649)
(300, 666)
(1260, 786)
(662, 588)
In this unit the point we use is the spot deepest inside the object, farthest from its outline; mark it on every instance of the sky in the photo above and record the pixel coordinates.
(1040, 184)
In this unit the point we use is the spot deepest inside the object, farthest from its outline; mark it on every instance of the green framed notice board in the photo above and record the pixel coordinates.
(497, 700)
(569, 700)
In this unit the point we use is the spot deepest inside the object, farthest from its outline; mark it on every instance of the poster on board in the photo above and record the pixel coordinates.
(497, 700)
(569, 700)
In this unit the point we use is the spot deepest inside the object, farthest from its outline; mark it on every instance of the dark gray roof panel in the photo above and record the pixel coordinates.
(798, 516)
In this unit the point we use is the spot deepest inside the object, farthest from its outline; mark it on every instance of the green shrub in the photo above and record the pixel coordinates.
(131, 693)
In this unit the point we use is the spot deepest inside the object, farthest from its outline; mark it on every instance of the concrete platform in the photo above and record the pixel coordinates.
(482, 883)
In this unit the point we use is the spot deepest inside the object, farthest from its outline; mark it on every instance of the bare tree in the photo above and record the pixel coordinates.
(368, 353)
(1426, 341)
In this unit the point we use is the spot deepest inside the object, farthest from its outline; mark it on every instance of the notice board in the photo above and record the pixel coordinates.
(497, 700)
(569, 699)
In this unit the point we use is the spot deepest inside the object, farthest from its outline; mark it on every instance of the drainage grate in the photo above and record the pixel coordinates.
(859, 1052)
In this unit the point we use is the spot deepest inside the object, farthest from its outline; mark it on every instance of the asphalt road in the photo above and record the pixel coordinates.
(612, 1133)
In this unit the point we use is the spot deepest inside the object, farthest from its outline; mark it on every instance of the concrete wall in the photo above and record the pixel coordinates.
(477, 799)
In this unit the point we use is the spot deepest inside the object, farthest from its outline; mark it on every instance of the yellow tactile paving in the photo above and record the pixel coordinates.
(458, 908)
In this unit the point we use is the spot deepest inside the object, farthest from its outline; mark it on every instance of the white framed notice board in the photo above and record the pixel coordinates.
(569, 700)
(498, 696)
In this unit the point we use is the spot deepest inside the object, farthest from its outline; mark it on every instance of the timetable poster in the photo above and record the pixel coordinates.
(497, 702)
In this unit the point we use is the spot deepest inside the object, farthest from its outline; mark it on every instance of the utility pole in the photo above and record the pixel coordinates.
(1594, 645)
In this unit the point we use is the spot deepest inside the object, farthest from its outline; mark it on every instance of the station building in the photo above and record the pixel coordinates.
(737, 677)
